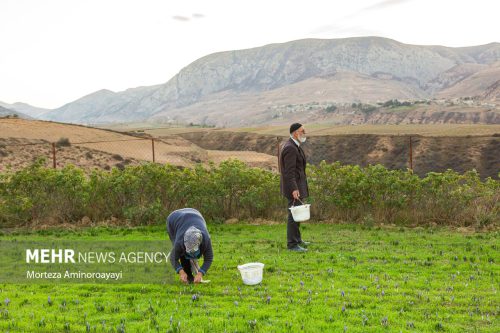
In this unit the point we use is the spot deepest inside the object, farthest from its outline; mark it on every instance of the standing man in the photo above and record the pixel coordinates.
(188, 233)
(293, 182)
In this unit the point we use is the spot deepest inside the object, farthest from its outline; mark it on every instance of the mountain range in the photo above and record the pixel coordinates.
(4, 112)
(243, 87)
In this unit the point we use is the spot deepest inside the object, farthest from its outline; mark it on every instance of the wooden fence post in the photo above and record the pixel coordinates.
(279, 152)
(411, 155)
(153, 147)
(54, 155)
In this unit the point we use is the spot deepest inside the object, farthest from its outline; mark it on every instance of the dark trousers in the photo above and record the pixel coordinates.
(186, 266)
(292, 228)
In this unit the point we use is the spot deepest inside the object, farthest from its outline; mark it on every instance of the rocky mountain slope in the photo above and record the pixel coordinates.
(475, 84)
(367, 69)
(492, 93)
(4, 112)
(25, 109)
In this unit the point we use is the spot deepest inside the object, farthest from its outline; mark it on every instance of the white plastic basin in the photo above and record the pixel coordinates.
(301, 213)
(251, 273)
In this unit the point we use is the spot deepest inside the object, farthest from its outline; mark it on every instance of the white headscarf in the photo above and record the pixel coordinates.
(192, 239)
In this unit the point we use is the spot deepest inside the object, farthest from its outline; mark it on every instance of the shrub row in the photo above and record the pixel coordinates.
(147, 193)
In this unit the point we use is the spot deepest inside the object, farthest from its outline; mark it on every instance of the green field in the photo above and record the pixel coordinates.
(329, 129)
(353, 279)
(404, 129)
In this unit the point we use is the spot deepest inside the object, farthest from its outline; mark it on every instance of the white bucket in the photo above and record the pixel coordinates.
(301, 213)
(251, 273)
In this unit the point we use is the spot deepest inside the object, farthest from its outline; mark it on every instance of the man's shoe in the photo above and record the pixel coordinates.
(304, 244)
(297, 248)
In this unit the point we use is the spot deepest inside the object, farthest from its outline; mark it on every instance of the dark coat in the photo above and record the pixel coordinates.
(293, 170)
(177, 224)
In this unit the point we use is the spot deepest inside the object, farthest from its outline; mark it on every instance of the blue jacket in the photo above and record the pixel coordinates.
(177, 223)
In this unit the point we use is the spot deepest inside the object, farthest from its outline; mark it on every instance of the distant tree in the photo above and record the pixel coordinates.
(63, 142)
(331, 108)
(394, 103)
(368, 108)
(391, 103)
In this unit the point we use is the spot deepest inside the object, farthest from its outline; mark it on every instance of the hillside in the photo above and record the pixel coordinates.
(492, 93)
(429, 153)
(4, 112)
(22, 141)
(29, 110)
(453, 76)
(253, 110)
(364, 69)
(475, 84)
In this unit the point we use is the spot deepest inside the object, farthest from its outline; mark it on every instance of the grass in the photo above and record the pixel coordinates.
(425, 130)
(329, 129)
(353, 279)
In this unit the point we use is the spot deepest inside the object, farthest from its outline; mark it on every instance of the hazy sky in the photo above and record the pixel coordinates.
(55, 51)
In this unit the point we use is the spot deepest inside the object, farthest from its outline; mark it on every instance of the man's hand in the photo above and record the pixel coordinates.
(296, 194)
(198, 277)
(183, 276)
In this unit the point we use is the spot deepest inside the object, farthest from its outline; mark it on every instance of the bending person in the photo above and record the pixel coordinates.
(190, 239)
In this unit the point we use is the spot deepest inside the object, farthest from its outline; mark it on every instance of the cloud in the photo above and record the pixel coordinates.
(382, 5)
(346, 30)
(181, 18)
(344, 24)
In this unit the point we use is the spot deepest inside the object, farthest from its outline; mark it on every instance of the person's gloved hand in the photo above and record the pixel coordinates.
(183, 276)
(198, 277)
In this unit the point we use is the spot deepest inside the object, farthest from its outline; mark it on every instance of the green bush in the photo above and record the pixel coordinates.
(147, 193)
(37, 193)
(330, 108)
(394, 103)
(365, 108)
(128, 194)
(63, 142)
(350, 193)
